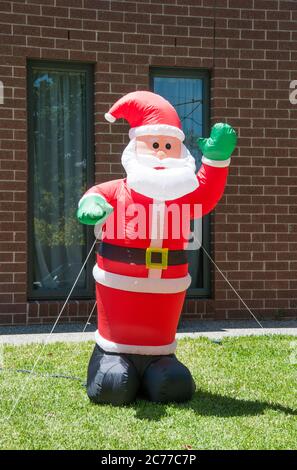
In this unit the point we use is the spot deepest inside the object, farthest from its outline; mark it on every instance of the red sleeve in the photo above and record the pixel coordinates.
(108, 190)
(212, 181)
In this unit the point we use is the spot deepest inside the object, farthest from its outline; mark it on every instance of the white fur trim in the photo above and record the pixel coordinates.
(157, 129)
(89, 195)
(216, 163)
(141, 284)
(164, 185)
(157, 233)
(110, 346)
(109, 117)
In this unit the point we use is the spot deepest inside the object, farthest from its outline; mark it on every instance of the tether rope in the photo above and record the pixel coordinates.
(233, 288)
(18, 399)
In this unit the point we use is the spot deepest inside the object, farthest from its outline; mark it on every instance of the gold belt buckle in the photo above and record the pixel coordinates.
(163, 264)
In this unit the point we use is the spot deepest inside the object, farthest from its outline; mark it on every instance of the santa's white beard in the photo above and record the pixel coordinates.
(174, 181)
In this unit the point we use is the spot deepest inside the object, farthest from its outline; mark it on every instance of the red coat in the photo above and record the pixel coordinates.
(139, 307)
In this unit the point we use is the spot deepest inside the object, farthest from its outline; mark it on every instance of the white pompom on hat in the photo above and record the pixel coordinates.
(147, 114)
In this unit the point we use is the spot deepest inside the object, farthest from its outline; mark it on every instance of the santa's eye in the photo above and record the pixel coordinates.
(168, 146)
(155, 145)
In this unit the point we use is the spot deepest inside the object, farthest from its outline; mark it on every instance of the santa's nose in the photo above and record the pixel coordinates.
(161, 154)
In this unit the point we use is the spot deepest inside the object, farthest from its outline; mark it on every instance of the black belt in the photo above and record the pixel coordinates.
(158, 258)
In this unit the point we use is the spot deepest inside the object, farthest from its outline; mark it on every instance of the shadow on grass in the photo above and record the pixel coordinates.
(211, 404)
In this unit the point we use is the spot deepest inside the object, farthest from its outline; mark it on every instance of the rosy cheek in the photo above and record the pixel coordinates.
(142, 148)
(174, 152)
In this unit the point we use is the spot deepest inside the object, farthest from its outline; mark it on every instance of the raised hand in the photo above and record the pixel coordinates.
(220, 144)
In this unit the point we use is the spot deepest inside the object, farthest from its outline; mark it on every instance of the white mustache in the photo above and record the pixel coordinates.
(151, 161)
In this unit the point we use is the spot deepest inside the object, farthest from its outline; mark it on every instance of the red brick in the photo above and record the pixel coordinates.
(137, 18)
(40, 20)
(62, 12)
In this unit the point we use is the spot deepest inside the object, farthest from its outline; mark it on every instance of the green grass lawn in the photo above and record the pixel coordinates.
(246, 398)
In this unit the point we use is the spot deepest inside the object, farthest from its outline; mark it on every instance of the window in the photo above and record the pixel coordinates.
(188, 92)
(60, 138)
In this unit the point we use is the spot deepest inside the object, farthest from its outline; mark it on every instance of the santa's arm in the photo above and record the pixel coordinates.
(212, 176)
(94, 207)
(212, 181)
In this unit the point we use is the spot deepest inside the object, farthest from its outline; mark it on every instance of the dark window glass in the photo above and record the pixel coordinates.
(188, 92)
(60, 147)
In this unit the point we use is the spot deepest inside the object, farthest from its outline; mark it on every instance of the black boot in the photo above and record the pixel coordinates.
(168, 380)
(112, 378)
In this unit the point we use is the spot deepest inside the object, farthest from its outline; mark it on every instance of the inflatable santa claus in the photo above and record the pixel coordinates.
(141, 272)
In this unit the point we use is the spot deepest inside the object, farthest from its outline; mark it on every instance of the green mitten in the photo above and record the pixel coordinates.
(220, 144)
(93, 210)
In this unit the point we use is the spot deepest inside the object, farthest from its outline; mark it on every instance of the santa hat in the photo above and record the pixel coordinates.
(147, 114)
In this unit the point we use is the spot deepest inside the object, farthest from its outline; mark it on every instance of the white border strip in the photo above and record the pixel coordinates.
(157, 129)
(110, 346)
(141, 284)
(157, 233)
(216, 163)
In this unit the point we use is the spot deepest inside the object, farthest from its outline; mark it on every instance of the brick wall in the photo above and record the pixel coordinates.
(250, 47)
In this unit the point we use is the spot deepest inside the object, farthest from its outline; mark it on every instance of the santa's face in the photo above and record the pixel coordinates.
(158, 146)
(142, 161)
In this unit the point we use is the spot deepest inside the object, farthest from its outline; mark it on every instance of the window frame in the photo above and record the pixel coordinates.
(48, 294)
(204, 75)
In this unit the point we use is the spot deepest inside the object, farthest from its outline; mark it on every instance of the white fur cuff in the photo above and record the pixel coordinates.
(216, 163)
(110, 346)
